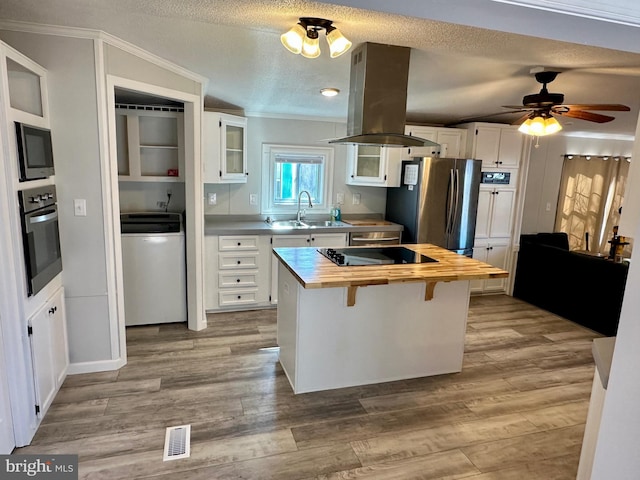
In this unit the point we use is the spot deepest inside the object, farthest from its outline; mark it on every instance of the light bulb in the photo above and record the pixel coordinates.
(311, 46)
(537, 126)
(524, 128)
(338, 43)
(293, 39)
(551, 125)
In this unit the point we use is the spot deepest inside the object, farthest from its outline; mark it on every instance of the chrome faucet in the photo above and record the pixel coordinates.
(301, 213)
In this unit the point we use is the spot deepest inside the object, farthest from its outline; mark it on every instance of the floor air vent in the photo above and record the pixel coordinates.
(177, 443)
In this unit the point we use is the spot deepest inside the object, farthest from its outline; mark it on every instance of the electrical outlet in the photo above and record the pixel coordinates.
(548, 209)
(355, 199)
(340, 198)
(212, 199)
(161, 204)
(253, 199)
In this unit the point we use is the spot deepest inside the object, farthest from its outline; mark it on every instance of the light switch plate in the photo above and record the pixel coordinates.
(79, 207)
(253, 199)
(355, 199)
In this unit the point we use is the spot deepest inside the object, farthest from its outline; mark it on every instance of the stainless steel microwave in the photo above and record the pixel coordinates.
(35, 153)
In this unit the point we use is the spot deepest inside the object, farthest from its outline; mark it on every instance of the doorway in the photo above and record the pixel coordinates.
(189, 190)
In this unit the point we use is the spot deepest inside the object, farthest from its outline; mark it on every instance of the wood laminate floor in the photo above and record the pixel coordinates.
(515, 412)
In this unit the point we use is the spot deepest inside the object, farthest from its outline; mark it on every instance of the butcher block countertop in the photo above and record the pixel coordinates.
(313, 270)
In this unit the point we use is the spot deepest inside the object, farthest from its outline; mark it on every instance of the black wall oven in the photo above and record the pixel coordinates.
(40, 236)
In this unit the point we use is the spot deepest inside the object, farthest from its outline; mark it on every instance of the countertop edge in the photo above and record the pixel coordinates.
(262, 228)
(602, 349)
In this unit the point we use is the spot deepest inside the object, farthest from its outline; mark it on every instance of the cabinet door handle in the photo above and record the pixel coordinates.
(237, 280)
(239, 297)
(238, 262)
(308, 240)
(239, 244)
(52, 310)
(497, 193)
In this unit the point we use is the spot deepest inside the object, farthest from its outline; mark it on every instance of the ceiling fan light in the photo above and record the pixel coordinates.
(338, 43)
(524, 127)
(536, 127)
(551, 125)
(311, 46)
(293, 39)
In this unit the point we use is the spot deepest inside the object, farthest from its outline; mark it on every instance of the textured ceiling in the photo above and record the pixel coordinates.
(456, 71)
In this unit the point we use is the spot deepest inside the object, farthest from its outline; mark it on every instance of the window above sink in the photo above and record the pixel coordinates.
(291, 170)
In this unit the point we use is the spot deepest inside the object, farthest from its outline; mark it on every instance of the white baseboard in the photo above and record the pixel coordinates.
(93, 367)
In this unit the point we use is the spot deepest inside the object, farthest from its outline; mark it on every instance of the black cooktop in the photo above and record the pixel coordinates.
(345, 257)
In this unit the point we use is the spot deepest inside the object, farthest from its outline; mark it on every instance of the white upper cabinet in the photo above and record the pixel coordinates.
(451, 142)
(150, 145)
(27, 85)
(498, 146)
(373, 166)
(224, 148)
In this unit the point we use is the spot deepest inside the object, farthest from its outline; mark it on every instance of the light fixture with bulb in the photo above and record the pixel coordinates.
(303, 39)
(329, 92)
(540, 124)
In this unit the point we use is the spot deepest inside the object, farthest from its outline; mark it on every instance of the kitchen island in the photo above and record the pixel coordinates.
(341, 326)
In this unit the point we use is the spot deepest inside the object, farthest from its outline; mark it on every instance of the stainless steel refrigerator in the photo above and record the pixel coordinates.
(437, 202)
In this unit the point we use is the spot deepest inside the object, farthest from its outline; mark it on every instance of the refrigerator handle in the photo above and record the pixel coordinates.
(450, 202)
(457, 199)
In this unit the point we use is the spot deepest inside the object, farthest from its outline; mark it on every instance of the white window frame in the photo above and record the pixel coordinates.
(269, 153)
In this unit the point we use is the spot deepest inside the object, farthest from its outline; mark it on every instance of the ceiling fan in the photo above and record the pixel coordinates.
(540, 109)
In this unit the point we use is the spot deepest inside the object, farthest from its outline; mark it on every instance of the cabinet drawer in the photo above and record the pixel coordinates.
(238, 260)
(237, 279)
(229, 298)
(239, 242)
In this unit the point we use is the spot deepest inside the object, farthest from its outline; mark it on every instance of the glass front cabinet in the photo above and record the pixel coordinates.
(224, 148)
(371, 165)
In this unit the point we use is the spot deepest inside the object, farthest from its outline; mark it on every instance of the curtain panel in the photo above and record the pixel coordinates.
(590, 196)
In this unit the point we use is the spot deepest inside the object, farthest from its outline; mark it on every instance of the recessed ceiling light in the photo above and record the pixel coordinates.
(329, 92)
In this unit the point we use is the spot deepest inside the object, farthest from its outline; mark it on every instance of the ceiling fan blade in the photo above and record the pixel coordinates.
(517, 107)
(521, 119)
(591, 117)
(480, 118)
(612, 107)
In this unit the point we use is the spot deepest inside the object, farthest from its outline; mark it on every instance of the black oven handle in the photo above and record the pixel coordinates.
(44, 216)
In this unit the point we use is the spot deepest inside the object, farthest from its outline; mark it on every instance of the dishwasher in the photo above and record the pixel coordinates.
(153, 268)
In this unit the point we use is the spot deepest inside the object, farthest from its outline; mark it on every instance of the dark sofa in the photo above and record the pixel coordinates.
(584, 289)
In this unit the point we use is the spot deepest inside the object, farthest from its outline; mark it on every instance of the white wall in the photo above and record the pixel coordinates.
(144, 196)
(234, 199)
(545, 169)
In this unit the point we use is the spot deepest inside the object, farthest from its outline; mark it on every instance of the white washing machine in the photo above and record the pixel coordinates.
(154, 268)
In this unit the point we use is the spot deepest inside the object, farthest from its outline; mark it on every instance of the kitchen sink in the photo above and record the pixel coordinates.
(287, 224)
(284, 224)
(324, 223)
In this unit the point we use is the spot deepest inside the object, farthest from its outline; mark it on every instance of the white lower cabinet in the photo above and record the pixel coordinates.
(320, 240)
(494, 252)
(236, 271)
(49, 350)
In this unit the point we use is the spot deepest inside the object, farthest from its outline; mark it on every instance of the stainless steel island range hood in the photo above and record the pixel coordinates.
(378, 97)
